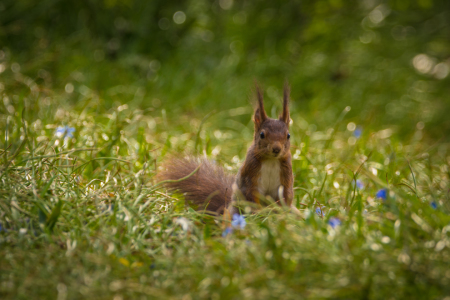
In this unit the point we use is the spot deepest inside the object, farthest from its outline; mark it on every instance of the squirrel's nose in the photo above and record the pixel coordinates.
(276, 149)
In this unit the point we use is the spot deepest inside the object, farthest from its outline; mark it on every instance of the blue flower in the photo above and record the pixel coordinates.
(358, 132)
(238, 221)
(381, 194)
(65, 132)
(227, 231)
(319, 211)
(359, 184)
(333, 222)
(433, 205)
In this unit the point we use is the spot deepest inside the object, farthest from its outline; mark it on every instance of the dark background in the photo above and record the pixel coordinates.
(388, 60)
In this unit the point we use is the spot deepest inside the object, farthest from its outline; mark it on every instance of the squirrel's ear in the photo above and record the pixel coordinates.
(285, 114)
(260, 113)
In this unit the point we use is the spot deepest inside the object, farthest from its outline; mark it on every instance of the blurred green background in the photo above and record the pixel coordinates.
(80, 216)
(388, 60)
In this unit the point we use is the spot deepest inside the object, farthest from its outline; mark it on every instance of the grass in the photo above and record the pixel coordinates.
(81, 217)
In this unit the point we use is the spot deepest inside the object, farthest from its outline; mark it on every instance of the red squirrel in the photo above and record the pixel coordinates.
(267, 169)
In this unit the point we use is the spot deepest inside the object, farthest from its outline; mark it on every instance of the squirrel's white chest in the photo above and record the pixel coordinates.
(269, 181)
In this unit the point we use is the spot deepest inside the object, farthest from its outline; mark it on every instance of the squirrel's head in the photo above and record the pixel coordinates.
(272, 135)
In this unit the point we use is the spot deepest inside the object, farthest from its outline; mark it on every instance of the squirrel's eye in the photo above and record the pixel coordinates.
(289, 136)
(262, 135)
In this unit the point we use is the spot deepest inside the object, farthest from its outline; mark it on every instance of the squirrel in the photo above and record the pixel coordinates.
(266, 171)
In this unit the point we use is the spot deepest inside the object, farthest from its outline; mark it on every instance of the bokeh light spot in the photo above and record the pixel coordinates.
(179, 17)
(69, 88)
(226, 4)
(423, 63)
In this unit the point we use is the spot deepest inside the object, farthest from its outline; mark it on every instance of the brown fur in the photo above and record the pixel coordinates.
(209, 187)
(285, 114)
(287, 179)
(260, 114)
(275, 137)
(248, 175)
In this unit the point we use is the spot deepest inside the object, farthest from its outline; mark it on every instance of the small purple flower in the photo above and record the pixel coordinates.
(238, 221)
(319, 211)
(358, 132)
(227, 231)
(65, 132)
(381, 194)
(433, 205)
(333, 222)
(359, 184)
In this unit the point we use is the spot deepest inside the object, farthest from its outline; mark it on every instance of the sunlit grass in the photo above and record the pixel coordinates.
(81, 217)
(96, 94)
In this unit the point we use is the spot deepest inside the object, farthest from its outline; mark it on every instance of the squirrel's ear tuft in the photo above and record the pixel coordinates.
(285, 114)
(260, 113)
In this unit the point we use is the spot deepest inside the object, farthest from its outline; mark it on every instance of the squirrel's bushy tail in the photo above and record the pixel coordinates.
(210, 187)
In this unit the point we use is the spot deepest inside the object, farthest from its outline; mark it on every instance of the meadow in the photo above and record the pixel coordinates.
(91, 107)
